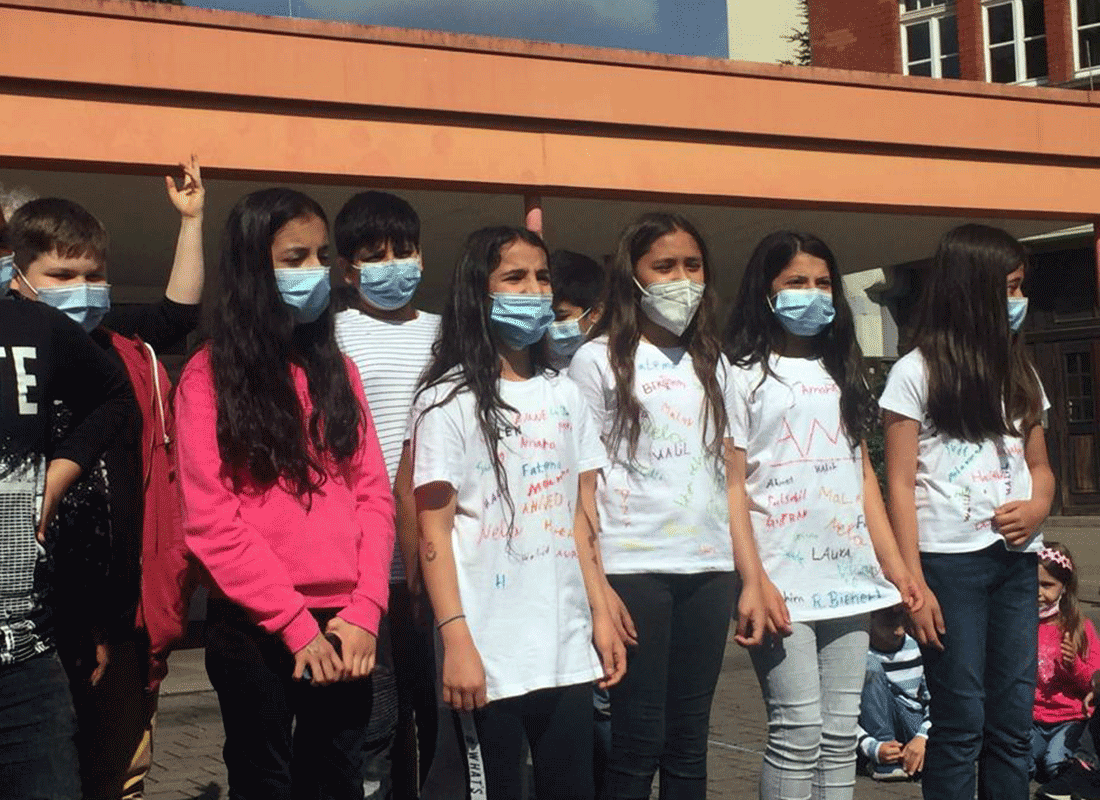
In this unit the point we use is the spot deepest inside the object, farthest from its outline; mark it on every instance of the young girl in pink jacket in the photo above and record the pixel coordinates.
(1069, 655)
(287, 505)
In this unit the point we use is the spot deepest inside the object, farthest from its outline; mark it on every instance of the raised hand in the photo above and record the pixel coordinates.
(189, 197)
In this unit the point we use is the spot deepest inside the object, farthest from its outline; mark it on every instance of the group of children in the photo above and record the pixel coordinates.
(550, 488)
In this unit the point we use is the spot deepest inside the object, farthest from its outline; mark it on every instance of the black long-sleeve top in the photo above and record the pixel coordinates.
(44, 357)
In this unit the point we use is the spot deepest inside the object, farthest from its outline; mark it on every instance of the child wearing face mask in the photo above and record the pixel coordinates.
(287, 506)
(123, 514)
(377, 238)
(805, 490)
(1069, 656)
(969, 486)
(502, 448)
(654, 376)
(578, 283)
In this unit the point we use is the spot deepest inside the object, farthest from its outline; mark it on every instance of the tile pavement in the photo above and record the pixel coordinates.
(187, 762)
(187, 755)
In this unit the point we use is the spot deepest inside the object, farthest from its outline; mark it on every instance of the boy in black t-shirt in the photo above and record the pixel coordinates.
(44, 358)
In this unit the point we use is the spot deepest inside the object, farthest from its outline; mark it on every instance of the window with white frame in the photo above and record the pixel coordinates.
(929, 38)
(1086, 20)
(1016, 41)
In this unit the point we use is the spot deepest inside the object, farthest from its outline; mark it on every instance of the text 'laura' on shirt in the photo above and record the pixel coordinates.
(959, 484)
(804, 482)
(390, 357)
(666, 510)
(518, 575)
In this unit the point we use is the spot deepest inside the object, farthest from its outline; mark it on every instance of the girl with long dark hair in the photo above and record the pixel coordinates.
(805, 489)
(654, 375)
(969, 485)
(501, 446)
(287, 506)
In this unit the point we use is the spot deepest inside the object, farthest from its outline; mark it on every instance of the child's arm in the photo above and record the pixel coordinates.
(185, 282)
(882, 538)
(463, 674)
(761, 609)
(1017, 520)
(616, 608)
(902, 437)
(407, 536)
(608, 641)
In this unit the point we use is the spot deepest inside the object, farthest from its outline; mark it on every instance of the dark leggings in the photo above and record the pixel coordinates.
(284, 739)
(557, 723)
(660, 711)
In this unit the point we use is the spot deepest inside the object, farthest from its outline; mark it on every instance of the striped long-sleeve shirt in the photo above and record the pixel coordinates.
(905, 672)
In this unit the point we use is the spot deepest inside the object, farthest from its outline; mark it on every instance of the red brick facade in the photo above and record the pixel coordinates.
(856, 34)
(866, 35)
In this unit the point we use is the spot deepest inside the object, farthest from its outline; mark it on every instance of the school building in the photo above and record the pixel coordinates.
(100, 97)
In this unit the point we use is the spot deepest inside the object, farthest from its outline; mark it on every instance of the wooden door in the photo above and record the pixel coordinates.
(1079, 377)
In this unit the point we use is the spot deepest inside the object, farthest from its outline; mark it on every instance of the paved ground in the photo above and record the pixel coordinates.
(187, 757)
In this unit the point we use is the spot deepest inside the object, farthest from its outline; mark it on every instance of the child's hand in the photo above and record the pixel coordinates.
(889, 753)
(912, 755)
(463, 674)
(1017, 520)
(357, 646)
(761, 611)
(912, 597)
(620, 617)
(611, 648)
(927, 621)
(191, 197)
(1069, 652)
(324, 665)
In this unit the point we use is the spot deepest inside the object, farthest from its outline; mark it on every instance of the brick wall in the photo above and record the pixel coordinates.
(1059, 24)
(856, 34)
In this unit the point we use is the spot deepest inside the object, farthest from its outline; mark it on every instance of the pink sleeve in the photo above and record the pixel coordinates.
(1083, 669)
(374, 508)
(236, 556)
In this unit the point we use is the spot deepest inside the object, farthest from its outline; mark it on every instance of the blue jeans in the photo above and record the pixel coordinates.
(983, 682)
(38, 757)
(1051, 744)
(881, 711)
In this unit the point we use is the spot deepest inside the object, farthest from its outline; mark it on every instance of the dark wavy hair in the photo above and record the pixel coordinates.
(619, 322)
(253, 340)
(466, 352)
(753, 333)
(978, 369)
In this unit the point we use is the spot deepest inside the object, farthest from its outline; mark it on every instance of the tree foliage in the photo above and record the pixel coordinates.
(800, 36)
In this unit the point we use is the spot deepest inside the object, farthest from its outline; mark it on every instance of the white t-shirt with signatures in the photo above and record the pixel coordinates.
(518, 576)
(667, 511)
(804, 482)
(959, 483)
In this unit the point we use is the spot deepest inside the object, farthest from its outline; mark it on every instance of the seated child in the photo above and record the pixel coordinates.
(893, 713)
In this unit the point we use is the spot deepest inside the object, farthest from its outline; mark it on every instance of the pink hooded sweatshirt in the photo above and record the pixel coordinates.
(268, 550)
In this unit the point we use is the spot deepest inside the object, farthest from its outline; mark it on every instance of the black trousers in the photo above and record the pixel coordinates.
(557, 724)
(660, 711)
(284, 739)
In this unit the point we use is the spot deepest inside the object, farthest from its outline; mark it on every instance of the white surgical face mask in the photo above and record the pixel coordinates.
(671, 304)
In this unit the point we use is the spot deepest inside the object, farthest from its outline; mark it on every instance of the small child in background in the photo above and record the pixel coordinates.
(578, 283)
(1069, 655)
(893, 711)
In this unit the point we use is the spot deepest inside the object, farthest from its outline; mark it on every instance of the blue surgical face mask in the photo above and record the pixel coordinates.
(803, 312)
(521, 319)
(565, 337)
(7, 272)
(1017, 310)
(86, 304)
(389, 285)
(305, 290)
